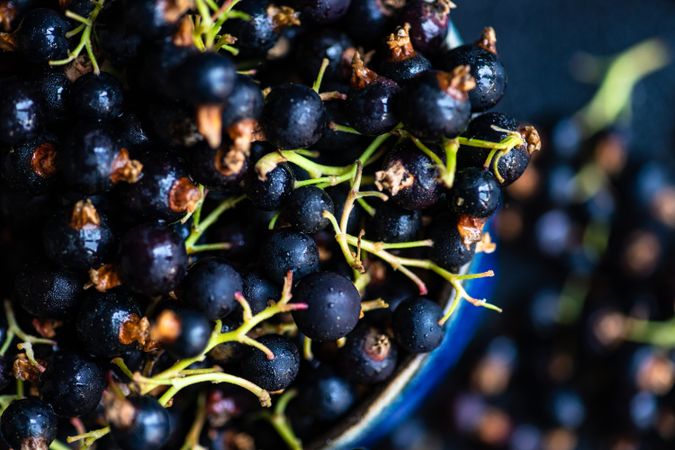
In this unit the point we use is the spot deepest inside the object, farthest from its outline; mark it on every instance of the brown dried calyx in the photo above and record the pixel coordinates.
(210, 124)
(118, 410)
(173, 10)
(394, 179)
(183, 37)
(43, 160)
(470, 229)
(84, 215)
(531, 137)
(80, 66)
(125, 169)
(7, 42)
(242, 133)
(282, 17)
(137, 329)
(7, 14)
(458, 82)
(377, 345)
(166, 328)
(488, 40)
(230, 161)
(184, 196)
(25, 370)
(400, 45)
(46, 327)
(361, 75)
(104, 278)
(442, 7)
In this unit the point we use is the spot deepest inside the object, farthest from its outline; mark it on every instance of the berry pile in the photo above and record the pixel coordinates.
(200, 196)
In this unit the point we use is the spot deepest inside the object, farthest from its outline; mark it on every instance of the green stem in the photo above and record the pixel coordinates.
(342, 128)
(89, 437)
(192, 438)
(181, 383)
(319, 78)
(85, 38)
(200, 228)
(451, 147)
(58, 445)
(659, 334)
(14, 328)
(281, 424)
(216, 246)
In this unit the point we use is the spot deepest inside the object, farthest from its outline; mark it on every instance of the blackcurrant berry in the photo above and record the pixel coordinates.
(245, 102)
(6, 375)
(100, 322)
(42, 36)
(326, 397)
(28, 423)
(182, 332)
(304, 209)
(485, 66)
(131, 132)
(476, 193)
(205, 78)
(454, 245)
(31, 166)
(54, 89)
(409, 177)
(259, 291)
(139, 423)
(416, 325)
(481, 127)
(48, 293)
(367, 21)
(20, 114)
(393, 224)
(153, 18)
(325, 43)
(210, 287)
(152, 259)
(293, 117)
(429, 21)
(369, 356)
(272, 374)
(435, 105)
(79, 236)
(333, 306)
(402, 63)
(97, 97)
(286, 250)
(336, 147)
(223, 168)
(323, 11)
(72, 384)
(270, 192)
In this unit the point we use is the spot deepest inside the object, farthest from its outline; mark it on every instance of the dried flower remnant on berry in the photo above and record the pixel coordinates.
(283, 16)
(470, 229)
(167, 327)
(173, 10)
(184, 196)
(457, 83)
(84, 215)
(104, 278)
(43, 160)
(531, 137)
(210, 124)
(125, 169)
(394, 179)
(361, 75)
(399, 44)
(488, 40)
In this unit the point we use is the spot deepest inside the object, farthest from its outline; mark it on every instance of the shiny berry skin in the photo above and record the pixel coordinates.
(286, 250)
(246, 101)
(293, 116)
(48, 293)
(98, 97)
(210, 286)
(130, 131)
(20, 114)
(268, 194)
(54, 89)
(223, 168)
(258, 35)
(326, 396)
(486, 68)
(512, 165)
(152, 18)
(100, 319)
(152, 259)
(333, 306)
(205, 78)
(402, 63)
(41, 37)
(148, 429)
(335, 147)
(429, 22)
(79, 236)
(259, 291)
(31, 166)
(72, 384)
(435, 104)
(164, 190)
(480, 128)
(182, 332)
(476, 193)
(369, 356)
(28, 423)
(409, 177)
(320, 44)
(450, 250)
(416, 327)
(6, 376)
(304, 209)
(272, 374)
(367, 21)
(393, 224)
(372, 108)
(323, 11)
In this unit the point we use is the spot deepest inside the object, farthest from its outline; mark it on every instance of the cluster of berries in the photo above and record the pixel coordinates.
(183, 202)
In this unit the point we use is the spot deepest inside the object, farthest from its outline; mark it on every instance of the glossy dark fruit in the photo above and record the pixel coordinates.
(48, 293)
(286, 250)
(223, 168)
(357, 214)
(323, 11)
(163, 191)
(512, 165)
(131, 132)
(436, 105)
(336, 147)
(20, 113)
(72, 384)
(244, 102)
(79, 236)
(371, 101)
(409, 177)
(480, 128)
(369, 356)
(205, 78)
(31, 166)
(148, 429)
(41, 37)
(152, 18)
(259, 291)
(429, 21)
(416, 327)
(476, 193)
(182, 332)
(272, 374)
(304, 209)
(486, 68)
(54, 89)
(152, 259)
(402, 62)
(326, 396)
(100, 319)
(210, 286)
(6, 375)
(80, 7)
(268, 194)
(293, 117)
(367, 21)
(97, 97)
(325, 43)
(451, 249)
(333, 306)
(28, 423)
(394, 224)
